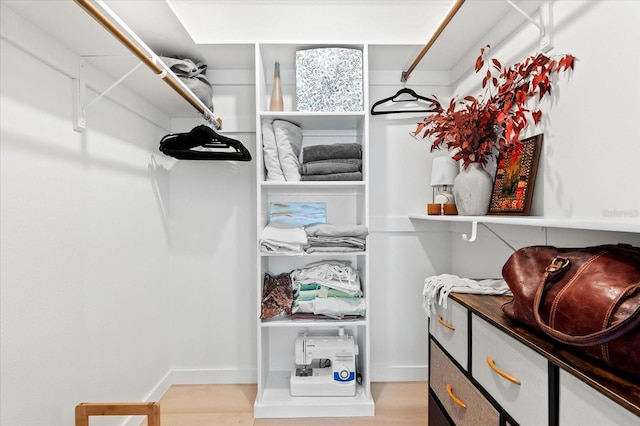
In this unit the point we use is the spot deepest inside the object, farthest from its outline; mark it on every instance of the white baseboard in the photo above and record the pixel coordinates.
(161, 388)
(219, 376)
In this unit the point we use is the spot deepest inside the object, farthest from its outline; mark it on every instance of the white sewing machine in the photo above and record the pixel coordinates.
(325, 366)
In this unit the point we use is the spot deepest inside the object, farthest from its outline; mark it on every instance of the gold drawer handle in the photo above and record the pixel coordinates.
(455, 398)
(507, 376)
(445, 324)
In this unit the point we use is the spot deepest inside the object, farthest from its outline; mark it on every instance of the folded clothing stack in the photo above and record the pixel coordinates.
(341, 161)
(329, 288)
(280, 238)
(324, 237)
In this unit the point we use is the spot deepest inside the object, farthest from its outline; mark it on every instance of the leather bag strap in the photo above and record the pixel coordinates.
(557, 267)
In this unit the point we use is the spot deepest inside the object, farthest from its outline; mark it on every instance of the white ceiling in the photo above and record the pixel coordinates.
(156, 23)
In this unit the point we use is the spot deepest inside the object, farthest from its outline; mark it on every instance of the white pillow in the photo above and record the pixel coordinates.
(270, 151)
(289, 142)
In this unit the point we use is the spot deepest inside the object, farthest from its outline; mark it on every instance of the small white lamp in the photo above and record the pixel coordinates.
(443, 172)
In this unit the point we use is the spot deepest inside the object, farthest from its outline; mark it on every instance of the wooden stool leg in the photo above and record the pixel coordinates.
(149, 409)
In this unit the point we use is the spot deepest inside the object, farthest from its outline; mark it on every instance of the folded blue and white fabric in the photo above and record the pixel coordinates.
(437, 289)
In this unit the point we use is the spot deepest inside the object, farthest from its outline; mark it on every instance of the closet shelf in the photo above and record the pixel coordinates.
(319, 120)
(318, 254)
(276, 395)
(615, 224)
(118, 29)
(317, 323)
(313, 184)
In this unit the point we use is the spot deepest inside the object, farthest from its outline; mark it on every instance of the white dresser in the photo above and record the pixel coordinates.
(485, 369)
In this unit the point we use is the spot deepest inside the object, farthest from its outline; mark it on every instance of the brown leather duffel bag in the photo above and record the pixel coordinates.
(584, 297)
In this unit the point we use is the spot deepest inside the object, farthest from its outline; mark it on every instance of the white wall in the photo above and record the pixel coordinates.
(85, 246)
(213, 269)
(590, 162)
(403, 253)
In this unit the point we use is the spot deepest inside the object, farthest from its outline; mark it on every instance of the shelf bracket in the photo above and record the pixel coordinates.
(79, 95)
(545, 24)
(498, 236)
(474, 232)
(78, 91)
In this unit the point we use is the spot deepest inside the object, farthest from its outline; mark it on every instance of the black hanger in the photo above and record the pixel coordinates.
(433, 103)
(203, 143)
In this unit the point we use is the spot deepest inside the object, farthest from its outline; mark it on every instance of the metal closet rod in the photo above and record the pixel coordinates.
(150, 62)
(443, 24)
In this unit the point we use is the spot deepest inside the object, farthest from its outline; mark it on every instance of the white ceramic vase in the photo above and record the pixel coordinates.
(472, 190)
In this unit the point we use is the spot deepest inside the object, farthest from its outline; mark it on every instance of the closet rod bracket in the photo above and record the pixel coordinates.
(78, 90)
(79, 96)
(545, 24)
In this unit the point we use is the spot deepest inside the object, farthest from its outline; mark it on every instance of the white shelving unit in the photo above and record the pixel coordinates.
(347, 204)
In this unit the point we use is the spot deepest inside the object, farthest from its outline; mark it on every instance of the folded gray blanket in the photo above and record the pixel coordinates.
(326, 167)
(335, 242)
(329, 230)
(332, 249)
(329, 152)
(335, 176)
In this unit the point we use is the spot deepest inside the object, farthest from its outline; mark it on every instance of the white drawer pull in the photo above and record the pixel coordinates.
(501, 373)
(455, 398)
(445, 324)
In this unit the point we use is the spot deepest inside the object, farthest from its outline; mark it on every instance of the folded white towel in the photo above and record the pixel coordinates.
(281, 238)
(338, 307)
(334, 307)
(438, 287)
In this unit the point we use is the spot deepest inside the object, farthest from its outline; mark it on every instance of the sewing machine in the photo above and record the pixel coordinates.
(325, 366)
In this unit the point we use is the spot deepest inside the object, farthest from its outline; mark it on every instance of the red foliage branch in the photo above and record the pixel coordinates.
(479, 129)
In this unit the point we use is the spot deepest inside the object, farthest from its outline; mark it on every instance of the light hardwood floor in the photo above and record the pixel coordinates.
(397, 404)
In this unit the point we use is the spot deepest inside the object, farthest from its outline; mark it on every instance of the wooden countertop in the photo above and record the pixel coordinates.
(623, 390)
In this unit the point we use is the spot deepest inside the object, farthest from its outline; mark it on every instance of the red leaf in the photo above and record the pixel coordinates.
(485, 79)
(479, 63)
(566, 62)
(496, 64)
(536, 116)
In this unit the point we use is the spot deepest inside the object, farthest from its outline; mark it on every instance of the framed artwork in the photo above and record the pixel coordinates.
(515, 178)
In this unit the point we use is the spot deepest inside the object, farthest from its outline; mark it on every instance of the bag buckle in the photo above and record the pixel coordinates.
(557, 264)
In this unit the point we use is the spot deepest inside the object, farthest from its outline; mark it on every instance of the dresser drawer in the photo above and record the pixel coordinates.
(581, 405)
(454, 389)
(527, 402)
(450, 328)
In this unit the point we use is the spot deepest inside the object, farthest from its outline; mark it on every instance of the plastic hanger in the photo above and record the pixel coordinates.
(203, 143)
(395, 98)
